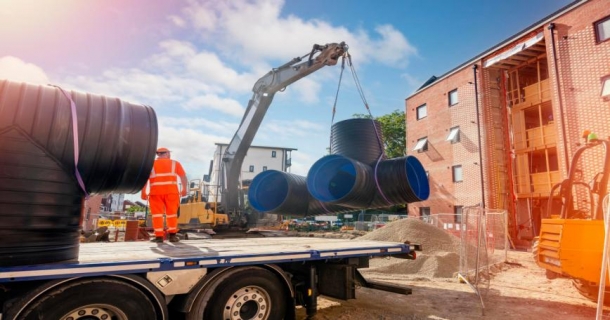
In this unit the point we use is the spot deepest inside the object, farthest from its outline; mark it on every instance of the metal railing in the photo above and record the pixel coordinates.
(483, 243)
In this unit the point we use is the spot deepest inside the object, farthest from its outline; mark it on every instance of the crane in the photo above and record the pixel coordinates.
(263, 92)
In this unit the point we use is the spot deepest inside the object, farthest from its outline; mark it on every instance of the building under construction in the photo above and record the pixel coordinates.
(503, 126)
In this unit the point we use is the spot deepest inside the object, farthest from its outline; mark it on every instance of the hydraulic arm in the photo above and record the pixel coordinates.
(263, 92)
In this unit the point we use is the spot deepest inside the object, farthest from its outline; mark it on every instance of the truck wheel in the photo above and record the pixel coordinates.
(89, 299)
(244, 293)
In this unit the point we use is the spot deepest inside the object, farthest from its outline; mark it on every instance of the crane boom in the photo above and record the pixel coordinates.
(263, 91)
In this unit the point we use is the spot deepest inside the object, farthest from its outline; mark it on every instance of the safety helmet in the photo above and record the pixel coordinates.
(161, 150)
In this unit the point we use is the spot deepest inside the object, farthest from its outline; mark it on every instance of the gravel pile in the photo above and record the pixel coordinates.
(439, 257)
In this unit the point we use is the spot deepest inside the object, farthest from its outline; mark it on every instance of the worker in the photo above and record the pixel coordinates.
(164, 194)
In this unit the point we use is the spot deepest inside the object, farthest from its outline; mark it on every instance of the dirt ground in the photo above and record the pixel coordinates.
(518, 289)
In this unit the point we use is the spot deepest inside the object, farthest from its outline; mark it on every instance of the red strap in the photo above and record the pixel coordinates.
(75, 135)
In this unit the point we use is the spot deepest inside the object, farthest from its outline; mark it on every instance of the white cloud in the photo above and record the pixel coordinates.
(215, 103)
(196, 86)
(15, 69)
(193, 147)
(177, 21)
(251, 29)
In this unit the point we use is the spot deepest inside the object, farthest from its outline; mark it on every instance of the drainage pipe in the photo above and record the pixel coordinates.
(280, 192)
(40, 198)
(560, 99)
(343, 181)
(479, 123)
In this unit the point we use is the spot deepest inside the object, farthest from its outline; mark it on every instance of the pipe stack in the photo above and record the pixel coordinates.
(355, 176)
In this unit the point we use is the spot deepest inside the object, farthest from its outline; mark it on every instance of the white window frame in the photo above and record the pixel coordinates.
(421, 145)
(457, 177)
(251, 169)
(454, 135)
(264, 168)
(453, 103)
(273, 154)
(423, 107)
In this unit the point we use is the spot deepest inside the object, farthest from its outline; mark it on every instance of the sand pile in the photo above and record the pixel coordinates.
(431, 238)
(439, 257)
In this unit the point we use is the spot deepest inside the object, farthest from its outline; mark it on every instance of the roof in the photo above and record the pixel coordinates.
(491, 50)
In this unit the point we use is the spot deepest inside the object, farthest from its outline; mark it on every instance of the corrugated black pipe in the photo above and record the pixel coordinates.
(559, 95)
(479, 123)
(279, 192)
(359, 139)
(402, 180)
(40, 200)
(339, 180)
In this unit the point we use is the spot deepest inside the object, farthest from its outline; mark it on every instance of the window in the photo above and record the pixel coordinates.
(602, 29)
(453, 97)
(454, 135)
(273, 154)
(606, 88)
(422, 112)
(251, 169)
(457, 210)
(421, 145)
(424, 211)
(264, 168)
(457, 173)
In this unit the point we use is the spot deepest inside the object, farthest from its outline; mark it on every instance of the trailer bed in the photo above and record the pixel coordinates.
(140, 257)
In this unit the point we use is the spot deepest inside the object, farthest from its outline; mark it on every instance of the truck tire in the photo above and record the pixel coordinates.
(242, 293)
(90, 298)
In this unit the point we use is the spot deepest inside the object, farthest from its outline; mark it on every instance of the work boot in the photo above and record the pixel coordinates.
(157, 239)
(173, 238)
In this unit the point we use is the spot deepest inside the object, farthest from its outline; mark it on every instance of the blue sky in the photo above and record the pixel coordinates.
(195, 62)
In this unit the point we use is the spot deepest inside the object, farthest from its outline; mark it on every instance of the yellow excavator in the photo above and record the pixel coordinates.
(571, 237)
(197, 214)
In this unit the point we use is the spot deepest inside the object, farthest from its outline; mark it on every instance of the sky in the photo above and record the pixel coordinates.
(195, 61)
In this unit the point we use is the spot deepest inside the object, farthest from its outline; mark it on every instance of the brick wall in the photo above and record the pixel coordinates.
(581, 62)
(442, 154)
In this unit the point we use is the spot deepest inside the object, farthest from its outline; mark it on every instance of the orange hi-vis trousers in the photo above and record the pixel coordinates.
(167, 204)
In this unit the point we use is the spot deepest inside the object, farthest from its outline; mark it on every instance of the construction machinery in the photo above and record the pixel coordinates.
(232, 206)
(571, 237)
(197, 213)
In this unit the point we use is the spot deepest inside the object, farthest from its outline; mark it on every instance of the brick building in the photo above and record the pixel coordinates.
(504, 126)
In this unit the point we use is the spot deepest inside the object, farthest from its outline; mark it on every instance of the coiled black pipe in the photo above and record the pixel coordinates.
(275, 191)
(40, 199)
(358, 139)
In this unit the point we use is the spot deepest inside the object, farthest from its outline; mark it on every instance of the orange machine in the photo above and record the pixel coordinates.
(572, 238)
(197, 213)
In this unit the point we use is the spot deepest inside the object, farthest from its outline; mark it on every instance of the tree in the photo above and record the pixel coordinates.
(393, 128)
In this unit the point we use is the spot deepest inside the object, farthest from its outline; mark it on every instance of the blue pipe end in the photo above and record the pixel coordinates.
(268, 190)
(331, 178)
(417, 178)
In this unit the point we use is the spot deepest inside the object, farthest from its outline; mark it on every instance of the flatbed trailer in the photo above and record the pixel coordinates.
(254, 278)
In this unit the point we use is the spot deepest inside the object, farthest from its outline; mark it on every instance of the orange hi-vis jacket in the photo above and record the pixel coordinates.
(164, 177)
